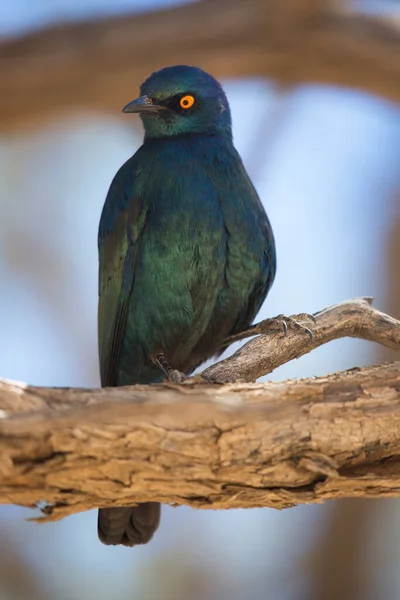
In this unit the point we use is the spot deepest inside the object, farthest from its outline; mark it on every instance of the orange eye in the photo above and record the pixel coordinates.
(186, 102)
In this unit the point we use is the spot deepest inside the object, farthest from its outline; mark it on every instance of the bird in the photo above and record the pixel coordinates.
(186, 252)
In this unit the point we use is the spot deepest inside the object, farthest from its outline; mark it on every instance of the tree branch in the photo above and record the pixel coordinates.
(99, 65)
(352, 318)
(212, 446)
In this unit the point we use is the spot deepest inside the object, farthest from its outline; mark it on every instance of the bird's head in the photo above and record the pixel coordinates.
(180, 100)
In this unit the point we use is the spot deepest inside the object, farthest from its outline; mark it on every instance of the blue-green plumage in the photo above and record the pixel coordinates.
(186, 250)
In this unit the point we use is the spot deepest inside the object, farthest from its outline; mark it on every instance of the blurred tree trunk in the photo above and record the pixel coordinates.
(339, 564)
(18, 578)
(338, 558)
(392, 302)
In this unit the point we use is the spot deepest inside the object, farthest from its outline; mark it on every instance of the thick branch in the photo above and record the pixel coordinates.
(271, 444)
(212, 446)
(99, 65)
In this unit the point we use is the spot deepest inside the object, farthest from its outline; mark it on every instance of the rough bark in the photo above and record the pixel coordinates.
(98, 65)
(352, 318)
(211, 445)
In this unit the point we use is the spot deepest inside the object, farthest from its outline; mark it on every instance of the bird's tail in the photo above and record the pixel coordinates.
(128, 525)
(131, 525)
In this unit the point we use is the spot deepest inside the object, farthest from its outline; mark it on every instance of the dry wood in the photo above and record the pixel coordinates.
(98, 65)
(352, 318)
(213, 445)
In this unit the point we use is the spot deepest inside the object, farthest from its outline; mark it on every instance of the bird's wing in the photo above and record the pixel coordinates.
(121, 225)
(256, 260)
(263, 282)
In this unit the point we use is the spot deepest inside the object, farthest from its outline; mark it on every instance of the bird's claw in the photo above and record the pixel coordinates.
(173, 375)
(294, 322)
(305, 317)
(275, 324)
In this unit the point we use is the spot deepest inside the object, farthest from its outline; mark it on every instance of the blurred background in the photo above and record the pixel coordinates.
(314, 88)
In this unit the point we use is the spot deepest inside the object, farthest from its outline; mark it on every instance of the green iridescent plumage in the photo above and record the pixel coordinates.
(186, 250)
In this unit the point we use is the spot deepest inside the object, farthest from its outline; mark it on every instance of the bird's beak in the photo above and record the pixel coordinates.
(143, 104)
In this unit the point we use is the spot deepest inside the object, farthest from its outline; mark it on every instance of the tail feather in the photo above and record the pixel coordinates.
(128, 525)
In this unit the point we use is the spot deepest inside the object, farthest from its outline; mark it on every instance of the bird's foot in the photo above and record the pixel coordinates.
(176, 376)
(275, 324)
(283, 323)
(172, 375)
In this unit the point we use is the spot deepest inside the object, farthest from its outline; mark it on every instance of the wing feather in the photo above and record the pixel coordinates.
(120, 229)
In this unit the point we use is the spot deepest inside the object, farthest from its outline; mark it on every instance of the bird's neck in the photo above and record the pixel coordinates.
(195, 136)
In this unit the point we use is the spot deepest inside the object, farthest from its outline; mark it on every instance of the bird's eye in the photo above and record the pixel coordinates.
(186, 102)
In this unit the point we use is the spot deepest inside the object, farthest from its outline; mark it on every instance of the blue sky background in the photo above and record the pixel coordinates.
(329, 181)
